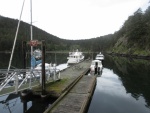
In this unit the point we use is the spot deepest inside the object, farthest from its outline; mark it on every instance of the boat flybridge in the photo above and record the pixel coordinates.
(99, 56)
(75, 57)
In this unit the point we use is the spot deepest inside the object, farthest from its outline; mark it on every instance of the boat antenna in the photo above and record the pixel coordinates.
(10, 61)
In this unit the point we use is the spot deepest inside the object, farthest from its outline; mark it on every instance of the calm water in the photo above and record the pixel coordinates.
(14, 104)
(123, 87)
(17, 61)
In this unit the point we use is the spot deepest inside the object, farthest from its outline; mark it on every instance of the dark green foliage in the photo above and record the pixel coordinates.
(7, 34)
(136, 28)
(8, 29)
(135, 33)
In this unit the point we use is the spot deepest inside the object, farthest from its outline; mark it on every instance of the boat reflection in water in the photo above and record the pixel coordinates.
(124, 87)
(12, 103)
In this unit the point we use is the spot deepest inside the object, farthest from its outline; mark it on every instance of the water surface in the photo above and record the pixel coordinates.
(123, 87)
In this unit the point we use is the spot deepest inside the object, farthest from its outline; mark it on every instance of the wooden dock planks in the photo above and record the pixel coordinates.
(79, 95)
(69, 75)
(76, 101)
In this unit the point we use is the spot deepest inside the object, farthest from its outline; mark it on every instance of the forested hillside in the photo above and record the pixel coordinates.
(8, 29)
(132, 38)
(7, 34)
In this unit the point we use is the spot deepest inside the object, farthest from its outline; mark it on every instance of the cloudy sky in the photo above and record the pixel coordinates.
(74, 19)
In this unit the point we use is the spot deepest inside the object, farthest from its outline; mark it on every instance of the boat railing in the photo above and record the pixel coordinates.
(19, 77)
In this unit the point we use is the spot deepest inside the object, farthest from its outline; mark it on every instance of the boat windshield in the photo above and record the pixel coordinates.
(99, 55)
(94, 63)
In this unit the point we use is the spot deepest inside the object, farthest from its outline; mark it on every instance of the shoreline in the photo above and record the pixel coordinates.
(145, 57)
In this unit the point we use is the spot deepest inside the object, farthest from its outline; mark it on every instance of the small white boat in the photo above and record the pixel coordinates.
(99, 56)
(50, 68)
(75, 57)
(47, 66)
(96, 66)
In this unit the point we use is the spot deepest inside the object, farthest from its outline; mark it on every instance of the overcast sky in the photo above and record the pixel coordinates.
(74, 19)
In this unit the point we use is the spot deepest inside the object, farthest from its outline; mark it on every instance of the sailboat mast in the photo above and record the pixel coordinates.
(31, 26)
(12, 53)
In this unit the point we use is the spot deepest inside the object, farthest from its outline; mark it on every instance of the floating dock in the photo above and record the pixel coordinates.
(77, 99)
(73, 91)
(69, 77)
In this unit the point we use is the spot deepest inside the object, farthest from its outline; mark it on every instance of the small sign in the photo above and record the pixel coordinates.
(33, 42)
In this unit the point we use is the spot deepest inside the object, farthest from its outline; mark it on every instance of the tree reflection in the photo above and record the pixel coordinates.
(134, 74)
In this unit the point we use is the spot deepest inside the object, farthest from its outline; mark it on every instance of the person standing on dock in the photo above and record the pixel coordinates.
(35, 58)
(34, 63)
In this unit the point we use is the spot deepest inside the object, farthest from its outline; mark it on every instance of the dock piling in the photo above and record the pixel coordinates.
(43, 67)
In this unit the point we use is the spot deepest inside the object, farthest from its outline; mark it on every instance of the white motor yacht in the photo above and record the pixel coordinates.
(75, 57)
(99, 56)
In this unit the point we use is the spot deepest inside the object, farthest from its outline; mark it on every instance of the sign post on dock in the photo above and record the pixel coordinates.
(35, 43)
(43, 67)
